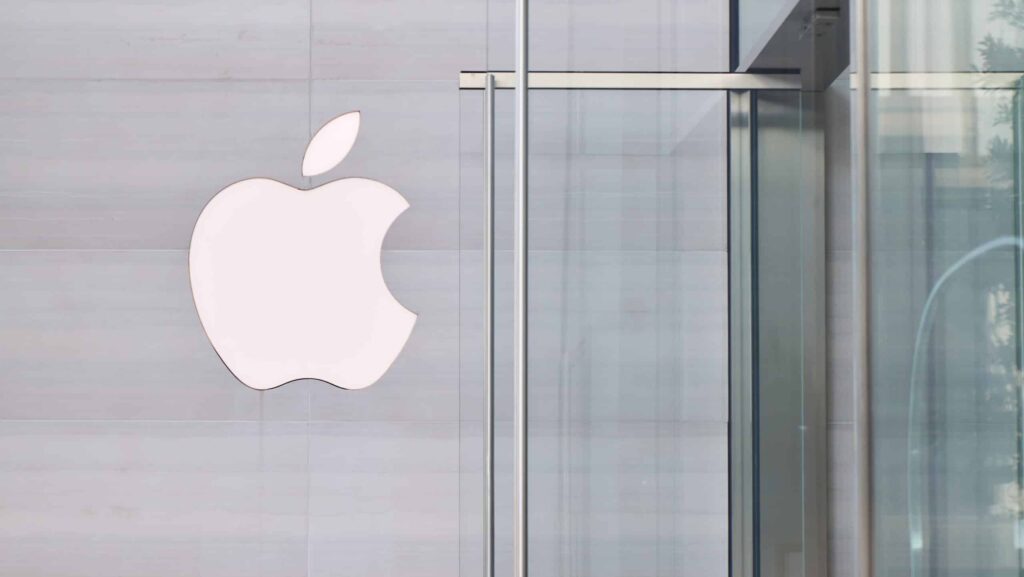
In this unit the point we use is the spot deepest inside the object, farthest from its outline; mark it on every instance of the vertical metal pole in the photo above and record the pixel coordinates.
(861, 284)
(741, 336)
(489, 329)
(519, 498)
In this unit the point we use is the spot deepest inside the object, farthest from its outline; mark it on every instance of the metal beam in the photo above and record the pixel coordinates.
(633, 81)
(941, 80)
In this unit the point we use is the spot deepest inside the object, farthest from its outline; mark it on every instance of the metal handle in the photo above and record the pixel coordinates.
(489, 328)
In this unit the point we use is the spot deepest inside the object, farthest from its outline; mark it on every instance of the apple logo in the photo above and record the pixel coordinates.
(288, 282)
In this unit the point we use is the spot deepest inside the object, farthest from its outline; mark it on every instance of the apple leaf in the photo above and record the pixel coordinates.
(331, 144)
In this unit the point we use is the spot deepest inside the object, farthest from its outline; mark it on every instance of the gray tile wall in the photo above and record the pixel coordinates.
(127, 449)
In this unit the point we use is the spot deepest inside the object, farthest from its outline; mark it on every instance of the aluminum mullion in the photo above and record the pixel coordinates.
(489, 330)
(861, 316)
(519, 497)
(741, 437)
(941, 80)
(634, 81)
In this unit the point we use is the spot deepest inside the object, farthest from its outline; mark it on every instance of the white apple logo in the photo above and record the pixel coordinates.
(288, 282)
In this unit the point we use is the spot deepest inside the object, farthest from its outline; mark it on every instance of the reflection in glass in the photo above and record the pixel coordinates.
(785, 285)
(758, 21)
(946, 344)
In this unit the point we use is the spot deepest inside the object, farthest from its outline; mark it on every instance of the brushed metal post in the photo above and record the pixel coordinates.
(519, 497)
(741, 336)
(861, 303)
(489, 329)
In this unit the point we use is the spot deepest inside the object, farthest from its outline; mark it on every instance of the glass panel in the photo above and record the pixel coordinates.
(783, 289)
(628, 334)
(636, 36)
(945, 289)
(758, 20)
(471, 329)
(946, 35)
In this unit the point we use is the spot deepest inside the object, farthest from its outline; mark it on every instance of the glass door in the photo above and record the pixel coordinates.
(628, 327)
(640, 457)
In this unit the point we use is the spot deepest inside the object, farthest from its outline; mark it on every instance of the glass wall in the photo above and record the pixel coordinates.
(598, 35)
(786, 275)
(628, 385)
(126, 446)
(628, 327)
(945, 292)
(758, 21)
